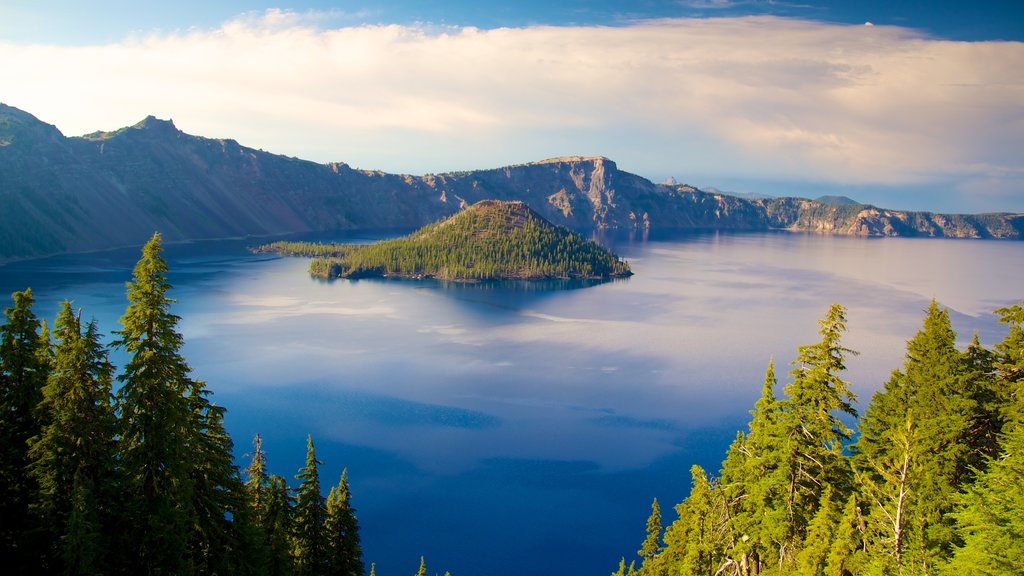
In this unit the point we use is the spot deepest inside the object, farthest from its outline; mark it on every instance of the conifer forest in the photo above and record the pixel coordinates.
(130, 470)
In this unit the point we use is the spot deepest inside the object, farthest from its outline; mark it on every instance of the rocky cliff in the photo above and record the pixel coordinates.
(108, 189)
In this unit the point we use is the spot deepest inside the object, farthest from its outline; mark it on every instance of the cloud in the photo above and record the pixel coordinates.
(752, 97)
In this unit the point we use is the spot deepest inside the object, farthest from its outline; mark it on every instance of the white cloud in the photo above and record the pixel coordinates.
(757, 97)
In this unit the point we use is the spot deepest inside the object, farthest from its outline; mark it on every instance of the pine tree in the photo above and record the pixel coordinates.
(311, 546)
(423, 568)
(915, 448)
(278, 526)
(1009, 361)
(694, 542)
(991, 514)
(746, 482)
(847, 555)
(346, 555)
(155, 415)
(257, 499)
(24, 353)
(73, 458)
(215, 545)
(652, 543)
(804, 445)
(813, 556)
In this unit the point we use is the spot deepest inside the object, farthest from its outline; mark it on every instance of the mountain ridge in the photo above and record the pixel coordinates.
(110, 189)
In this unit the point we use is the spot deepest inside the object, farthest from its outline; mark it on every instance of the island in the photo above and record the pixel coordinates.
(490, 240)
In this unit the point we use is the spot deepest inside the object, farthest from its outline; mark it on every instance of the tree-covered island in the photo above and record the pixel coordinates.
(490, 240)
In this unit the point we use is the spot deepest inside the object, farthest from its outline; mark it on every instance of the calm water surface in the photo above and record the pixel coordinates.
(503, 429)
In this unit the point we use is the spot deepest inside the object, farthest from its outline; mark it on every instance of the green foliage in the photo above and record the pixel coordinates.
(342, 531)
(24, 358)
(73, 457)
(144, 483)
(155, 415)
(990, 515)
(924, 490)
(310, 548)
(490, 240)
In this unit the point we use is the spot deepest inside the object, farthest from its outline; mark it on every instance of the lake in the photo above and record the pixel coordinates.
(505, 428)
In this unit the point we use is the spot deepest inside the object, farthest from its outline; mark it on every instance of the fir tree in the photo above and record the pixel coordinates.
(24, 352)
(423, 568)
(916, 447)
(257, 491)
(991, 514)
(311, 547)
(652, 543)
(346, 555)
(73, 458)
(155, 417)
(215, 545)
(278, 527)
(805, 444)
(813, 556)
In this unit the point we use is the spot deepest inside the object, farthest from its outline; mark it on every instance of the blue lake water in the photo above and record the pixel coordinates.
(503, 429)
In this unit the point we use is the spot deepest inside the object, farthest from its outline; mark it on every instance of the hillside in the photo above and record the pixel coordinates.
(109, 189)
(491, 240)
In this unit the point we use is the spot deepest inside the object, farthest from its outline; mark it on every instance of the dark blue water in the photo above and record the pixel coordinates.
(502, 429)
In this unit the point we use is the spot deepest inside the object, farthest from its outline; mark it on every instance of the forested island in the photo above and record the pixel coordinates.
(490, 240)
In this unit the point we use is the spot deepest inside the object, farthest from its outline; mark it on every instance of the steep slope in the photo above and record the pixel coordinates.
(108, 189)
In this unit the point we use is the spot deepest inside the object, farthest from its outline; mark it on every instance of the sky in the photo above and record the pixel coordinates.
(902, 104)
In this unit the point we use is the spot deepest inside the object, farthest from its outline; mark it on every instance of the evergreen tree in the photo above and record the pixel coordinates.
(695, 541)
(746, 482)
(311, 546)
(73, 458)
(156, 432)
(1009, 361)
(23, 371)
(423, 568)
(346, 555)
(257, 490)
(991, 514)
(804, 446)
(215, 545)
(652, 543)
(813, 556)
(278, 527)
(847, 554)
(916, 447)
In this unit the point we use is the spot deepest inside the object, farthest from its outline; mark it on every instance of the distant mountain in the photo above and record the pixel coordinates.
(110, 189)
(490, 240)
(746, 195)
(837, 201)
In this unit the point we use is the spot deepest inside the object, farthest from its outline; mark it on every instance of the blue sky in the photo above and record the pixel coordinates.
(902, 104)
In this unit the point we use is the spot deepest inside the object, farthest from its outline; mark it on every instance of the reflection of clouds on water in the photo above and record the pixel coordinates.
(448, 330)
(261, 309)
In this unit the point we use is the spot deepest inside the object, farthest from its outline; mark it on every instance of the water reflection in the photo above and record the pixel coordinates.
(498, 426)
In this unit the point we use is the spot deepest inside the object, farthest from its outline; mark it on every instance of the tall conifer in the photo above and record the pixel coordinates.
(342, 527)
(311, 548)
(73, 457)
(155, 424)
(23, 371)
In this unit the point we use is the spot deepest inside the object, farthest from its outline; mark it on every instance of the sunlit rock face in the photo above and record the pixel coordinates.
(109, 189)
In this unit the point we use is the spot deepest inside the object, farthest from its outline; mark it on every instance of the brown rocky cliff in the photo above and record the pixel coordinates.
(110, 189)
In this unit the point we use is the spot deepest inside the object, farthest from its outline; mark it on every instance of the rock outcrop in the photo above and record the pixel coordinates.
(108, 189)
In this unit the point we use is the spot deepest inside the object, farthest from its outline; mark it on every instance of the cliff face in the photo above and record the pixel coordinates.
(110, 189)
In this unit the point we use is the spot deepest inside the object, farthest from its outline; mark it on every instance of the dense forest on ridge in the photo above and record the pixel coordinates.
(490, 240)
(138, 477)
(931, 483)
